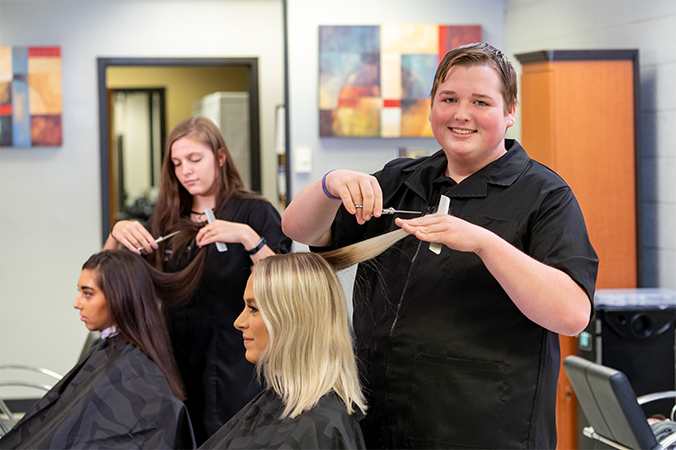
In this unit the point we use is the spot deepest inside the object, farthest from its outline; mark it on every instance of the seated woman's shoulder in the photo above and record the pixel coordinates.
(328, 425)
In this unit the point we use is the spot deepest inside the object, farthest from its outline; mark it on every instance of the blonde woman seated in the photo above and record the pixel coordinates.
(296, 330)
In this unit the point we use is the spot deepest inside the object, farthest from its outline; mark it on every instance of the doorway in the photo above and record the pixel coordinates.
(108, 143)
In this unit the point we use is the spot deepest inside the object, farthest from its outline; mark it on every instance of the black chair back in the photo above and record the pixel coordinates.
(609, 403)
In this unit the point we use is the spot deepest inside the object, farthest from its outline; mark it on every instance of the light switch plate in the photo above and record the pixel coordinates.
(303, 160)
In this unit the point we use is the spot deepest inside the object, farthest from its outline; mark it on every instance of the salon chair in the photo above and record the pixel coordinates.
(614, 413)
(9, 417)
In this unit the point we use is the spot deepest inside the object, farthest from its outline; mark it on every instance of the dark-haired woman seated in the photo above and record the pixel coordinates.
(126, 392)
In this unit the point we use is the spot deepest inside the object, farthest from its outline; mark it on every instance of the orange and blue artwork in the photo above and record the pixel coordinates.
(30, 97)
(375, 81)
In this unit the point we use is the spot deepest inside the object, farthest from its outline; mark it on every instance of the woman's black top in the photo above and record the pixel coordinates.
(209, 350)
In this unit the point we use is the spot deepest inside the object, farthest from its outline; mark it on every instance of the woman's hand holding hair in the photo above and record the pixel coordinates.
(360, 193)
(232, 232)
(132, 235)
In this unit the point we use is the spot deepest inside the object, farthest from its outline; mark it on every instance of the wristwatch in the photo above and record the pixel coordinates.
(258, 246)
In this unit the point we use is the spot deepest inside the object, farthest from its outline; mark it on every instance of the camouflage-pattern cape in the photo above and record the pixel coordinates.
(257, 426)
(115, 397)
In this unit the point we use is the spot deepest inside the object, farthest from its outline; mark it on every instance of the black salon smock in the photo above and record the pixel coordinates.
(447, 358)
(115, 397)
(258, 426)
(208, 348)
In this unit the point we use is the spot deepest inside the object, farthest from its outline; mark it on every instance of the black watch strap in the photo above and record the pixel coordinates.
(258, 246)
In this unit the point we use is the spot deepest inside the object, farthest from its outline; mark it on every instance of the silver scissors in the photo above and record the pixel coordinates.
(163, 238)
(399, 211)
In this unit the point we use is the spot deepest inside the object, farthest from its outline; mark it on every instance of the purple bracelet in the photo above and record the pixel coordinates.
(326, 191)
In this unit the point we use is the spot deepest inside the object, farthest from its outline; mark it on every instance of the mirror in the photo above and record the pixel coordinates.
(142, 99)
(138, 129)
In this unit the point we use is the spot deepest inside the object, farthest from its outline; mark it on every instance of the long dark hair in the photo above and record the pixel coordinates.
(133, 290)
(172, 211)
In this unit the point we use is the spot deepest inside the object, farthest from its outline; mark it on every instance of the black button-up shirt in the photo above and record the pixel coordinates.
(447, 359)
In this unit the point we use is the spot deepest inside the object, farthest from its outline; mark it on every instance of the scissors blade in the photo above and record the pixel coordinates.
(163, 238)
(399, 211)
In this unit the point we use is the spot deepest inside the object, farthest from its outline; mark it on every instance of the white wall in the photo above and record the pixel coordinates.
(647, 25)
(136, 145)
(304, 18)
(50, 206)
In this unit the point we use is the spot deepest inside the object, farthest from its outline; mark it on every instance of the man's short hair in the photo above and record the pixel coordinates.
(480, 53)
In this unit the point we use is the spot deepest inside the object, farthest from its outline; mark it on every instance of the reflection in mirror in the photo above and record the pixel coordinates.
(138, 125)
(230, 112)
(129, 181)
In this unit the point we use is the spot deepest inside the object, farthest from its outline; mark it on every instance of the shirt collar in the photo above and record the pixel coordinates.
(109, 332)
(504, 171)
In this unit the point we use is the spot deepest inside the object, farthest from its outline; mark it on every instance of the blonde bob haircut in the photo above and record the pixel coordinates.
(310, 348)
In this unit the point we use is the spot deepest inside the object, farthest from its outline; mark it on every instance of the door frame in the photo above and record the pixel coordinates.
(104, 121)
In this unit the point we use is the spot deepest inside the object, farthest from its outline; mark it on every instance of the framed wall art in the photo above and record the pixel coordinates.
(374, 81)
(30, 97)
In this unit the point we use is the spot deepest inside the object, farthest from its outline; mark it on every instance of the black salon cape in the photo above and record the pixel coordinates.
(115, 397)
(209, 350)
(257, 426)
(446, 357)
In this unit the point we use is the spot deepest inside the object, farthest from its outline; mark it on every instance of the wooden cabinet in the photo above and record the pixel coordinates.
(578, 115)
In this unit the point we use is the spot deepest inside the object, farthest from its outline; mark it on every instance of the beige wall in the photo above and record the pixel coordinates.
(183, 85)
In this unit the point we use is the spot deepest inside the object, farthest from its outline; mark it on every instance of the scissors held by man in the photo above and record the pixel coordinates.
(399, 211)
(393, 211)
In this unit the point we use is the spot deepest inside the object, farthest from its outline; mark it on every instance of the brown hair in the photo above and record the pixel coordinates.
(480, 53)
(132, 289)
(172, 211)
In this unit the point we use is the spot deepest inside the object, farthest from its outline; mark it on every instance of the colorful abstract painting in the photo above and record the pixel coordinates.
(375, 81)
(30, 97)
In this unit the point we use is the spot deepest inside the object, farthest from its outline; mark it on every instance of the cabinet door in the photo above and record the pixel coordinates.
(578, 111)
